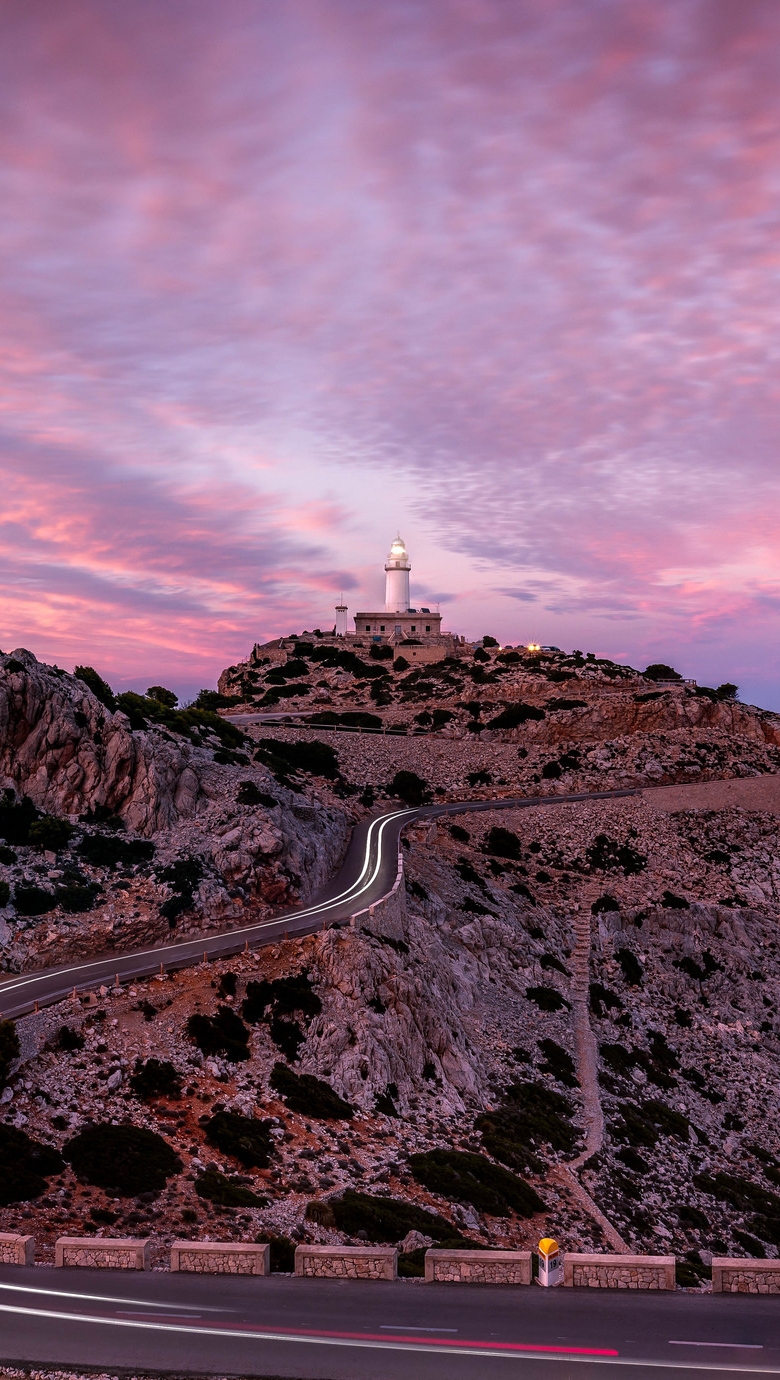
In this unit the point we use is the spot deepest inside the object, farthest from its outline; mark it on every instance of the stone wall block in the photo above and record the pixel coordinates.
(16, 1250)
(220, 1257)
(103, 1252)
(478, 1267)
(618, 1271)
(730, 1275)
(346, 1262)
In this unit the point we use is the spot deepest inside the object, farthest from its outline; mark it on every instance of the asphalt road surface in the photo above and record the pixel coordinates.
(367, 874)
(334, 1330)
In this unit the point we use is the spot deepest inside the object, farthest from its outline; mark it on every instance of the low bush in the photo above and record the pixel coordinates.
(692, 1218)
(550, 961)
(99, 687)
(126, 1160)
(671, 902)
(388, 1219)
(69, 1040)
(321, 1213)
(410, 787)
(155, 1078)
(471, 1178)
(602, 1001)
(633, 1160)
(75, 899)
(250, 794)
(50, 834)
(381, 652)
(502, 843)
(607, 855)
(246, 1138)
(460, 834)
(25, 1164)
(226, 1191)
(563, 704)
(603, 905)
(659, 671)
(10, 1049)
(34, 900)
(106, 850)
(633, 971)
(558, 1062)
(281, 996)
(645, 1123)
(547, 998)
(531, 1114)
(742, 1194)
(8, 857)
(16, 818)
(309, 1096)
(5, 894)
(183, 877)
(310, 756)
(224, 1034)
(281, 1256)
(515, 715)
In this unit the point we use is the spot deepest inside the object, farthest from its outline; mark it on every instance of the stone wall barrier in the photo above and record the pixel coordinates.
(220, 1257)
(16, 1250)
(346, 1262)
(103, 1252)
(734, 1276)
(619, 1271)
(478, 1267)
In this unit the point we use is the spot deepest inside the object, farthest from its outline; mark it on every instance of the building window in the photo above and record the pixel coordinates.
(427, 627)
(381, 627)
(414, 627)
(368, 627)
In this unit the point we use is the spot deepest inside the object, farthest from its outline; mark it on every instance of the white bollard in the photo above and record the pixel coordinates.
(550, 1263)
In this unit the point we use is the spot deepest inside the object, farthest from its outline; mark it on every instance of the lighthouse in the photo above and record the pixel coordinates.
(397, 568)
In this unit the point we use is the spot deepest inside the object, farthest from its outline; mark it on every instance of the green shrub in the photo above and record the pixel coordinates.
(50, 834)
(607, 855)
(558, 1062)
(388, 1219)
(311, 756)
(163, 696)
(531, 1114)
(671, 902)
(25, 1164)
(515, 715)
(502, 843)
(547, 998)
(742, 1194)
(100, 689)
(211, 701)
(563, 704)
(5, 894)
(548, 961)
(9, 1048)
(321, 1213)
(692, 1218)
(632, 968)
(750, 1244)
(309, 1096)
(8, 857)
(471, 1178)
(126, 1160)
(34, 900)
(601, 1000)
(246, 1138)
(106, 850)
(633, 1160)
(16, 817)
(250, 794)
(224, 1034)
(659, 671)
(603, 905)
(400, 664)
(281, 1256)
(69, 1039)
(226, 1191)
(280, 996)
(645, 1123)
(460, 834)
(155, 1078)
(76, 899)
(183, 877)
(409, 787)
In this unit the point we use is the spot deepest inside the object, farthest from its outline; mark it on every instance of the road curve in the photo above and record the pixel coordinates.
(367, 874)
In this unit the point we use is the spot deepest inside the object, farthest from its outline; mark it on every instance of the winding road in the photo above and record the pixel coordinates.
(339, 1330)
(367, 875)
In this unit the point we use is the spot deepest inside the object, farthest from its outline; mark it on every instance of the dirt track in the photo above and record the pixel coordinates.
(750, 792)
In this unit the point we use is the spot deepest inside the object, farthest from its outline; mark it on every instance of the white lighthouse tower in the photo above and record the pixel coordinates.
(397, 568)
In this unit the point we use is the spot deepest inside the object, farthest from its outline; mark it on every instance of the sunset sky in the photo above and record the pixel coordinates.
(280, 279)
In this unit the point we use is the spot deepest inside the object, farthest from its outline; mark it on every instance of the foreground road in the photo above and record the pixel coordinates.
(367, 874)
(333, 1330)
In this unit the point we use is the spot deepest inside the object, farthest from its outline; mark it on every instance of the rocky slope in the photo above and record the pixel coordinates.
(417, 1062)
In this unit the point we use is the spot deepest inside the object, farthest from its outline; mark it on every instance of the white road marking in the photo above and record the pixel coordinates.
(358, 1343)
(99, 1298)
(405, 1327)
(741, 1346)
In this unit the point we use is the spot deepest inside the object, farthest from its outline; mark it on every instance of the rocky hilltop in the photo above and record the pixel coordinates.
(568, 1023)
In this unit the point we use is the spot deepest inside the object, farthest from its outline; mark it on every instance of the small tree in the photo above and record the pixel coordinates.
(727, 691)
(162, 696)
(659, 671)
(100, 689)
(50, 834)
(9, 1049)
